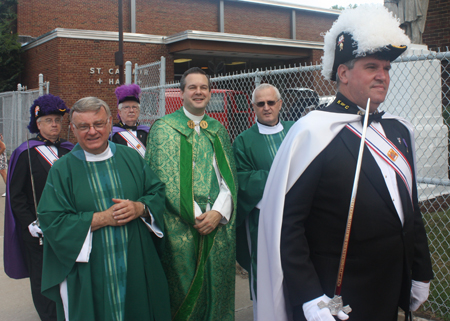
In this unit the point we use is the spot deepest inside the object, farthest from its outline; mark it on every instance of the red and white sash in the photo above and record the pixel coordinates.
(381, 145)
(133, 142)
(47, 153)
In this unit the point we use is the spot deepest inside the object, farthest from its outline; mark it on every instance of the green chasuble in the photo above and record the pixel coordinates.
(200, 269)
(124, 278)
(254, 154)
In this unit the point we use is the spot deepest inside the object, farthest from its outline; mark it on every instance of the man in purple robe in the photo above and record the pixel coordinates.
(128, 131)
(27, 175)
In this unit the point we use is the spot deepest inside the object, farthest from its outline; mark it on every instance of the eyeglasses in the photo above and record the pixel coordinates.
(99, 125)
(127, 108)
(269, 103)
(49, 121)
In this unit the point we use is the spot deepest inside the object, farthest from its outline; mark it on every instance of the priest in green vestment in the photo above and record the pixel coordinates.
(191, 153)
(101, 213)
(254, 151)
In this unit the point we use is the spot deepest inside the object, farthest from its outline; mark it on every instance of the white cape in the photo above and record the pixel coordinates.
(304, 141)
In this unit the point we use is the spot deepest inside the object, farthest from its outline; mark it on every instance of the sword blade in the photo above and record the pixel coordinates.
(352, 204)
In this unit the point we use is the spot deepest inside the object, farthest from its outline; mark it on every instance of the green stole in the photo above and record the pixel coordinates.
(105, 184)
(200, 153)
(274, 141)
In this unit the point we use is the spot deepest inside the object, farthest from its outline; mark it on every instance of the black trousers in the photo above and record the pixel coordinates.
(45, 307)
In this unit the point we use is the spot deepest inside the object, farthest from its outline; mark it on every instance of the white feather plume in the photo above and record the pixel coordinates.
(373, 28)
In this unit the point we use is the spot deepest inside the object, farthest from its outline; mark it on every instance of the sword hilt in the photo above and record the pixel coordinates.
(335, 305)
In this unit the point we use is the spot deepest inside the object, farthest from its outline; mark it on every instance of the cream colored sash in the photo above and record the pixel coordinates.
(381, 145)
(47, 153)
(133, 142)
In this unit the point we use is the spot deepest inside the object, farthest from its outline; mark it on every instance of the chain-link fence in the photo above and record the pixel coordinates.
(15, 113)
(152, 79)
(15, 109)
(419, 91)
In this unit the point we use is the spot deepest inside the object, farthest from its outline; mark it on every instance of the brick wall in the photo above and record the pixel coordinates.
(36, 17)
(158, 17)
(257, 20)
(74, 67)
(437, 27)
(167, 17)
(310, 25)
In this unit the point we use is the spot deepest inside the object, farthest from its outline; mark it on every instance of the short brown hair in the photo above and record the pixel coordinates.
(193, 70)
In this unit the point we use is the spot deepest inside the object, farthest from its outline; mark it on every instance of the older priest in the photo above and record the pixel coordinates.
(254, 151)
(102, 222)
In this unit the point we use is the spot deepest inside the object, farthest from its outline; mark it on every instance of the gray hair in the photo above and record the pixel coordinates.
(121, 104)
(89, 104)
(265, 86)
(349, 64)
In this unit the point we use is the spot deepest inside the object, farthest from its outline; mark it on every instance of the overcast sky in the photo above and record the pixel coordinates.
(329, 3)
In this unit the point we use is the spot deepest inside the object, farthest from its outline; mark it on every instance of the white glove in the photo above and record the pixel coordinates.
(35, 230)
(419, 294)
(314, 313)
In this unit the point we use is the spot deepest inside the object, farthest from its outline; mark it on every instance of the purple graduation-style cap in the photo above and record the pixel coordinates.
(45, 105)
(128, 93)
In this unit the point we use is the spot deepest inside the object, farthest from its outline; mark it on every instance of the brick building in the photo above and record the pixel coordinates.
(437, 27)
(72, 43)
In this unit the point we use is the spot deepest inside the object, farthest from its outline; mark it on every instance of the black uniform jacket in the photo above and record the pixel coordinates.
(140, 134)
(383, 254)
(21, 192)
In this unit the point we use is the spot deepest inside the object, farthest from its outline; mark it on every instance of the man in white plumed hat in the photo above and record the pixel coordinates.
(306, 201)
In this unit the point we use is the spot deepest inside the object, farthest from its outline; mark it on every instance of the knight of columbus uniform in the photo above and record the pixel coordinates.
(127, 131)
(305, 205)
(23, 249)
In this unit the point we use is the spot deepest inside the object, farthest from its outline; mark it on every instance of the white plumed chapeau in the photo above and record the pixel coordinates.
(372, 27)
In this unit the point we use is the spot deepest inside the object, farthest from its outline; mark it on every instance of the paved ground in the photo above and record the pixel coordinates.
(16, 303)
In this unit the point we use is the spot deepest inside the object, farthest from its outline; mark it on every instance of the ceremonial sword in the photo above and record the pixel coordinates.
(336, 303)
(33, 189)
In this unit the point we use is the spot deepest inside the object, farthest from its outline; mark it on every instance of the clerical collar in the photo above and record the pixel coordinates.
(107, 154)
(47, 142)
(269, 130)
(192, 116)
(120, 124)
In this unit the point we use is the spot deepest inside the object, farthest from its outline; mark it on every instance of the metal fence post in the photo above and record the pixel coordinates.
(41, 84)
(162, 91)
(18, 111)
(128, 72)
(135, 73)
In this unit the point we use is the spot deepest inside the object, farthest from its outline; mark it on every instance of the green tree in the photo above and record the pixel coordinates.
(338, 7)
(11, 64)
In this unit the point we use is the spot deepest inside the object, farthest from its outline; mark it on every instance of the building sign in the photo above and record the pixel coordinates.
(106, 76)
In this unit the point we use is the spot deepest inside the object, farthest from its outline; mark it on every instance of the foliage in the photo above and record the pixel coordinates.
(338, 7)
(10, 49)
(437, 226)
